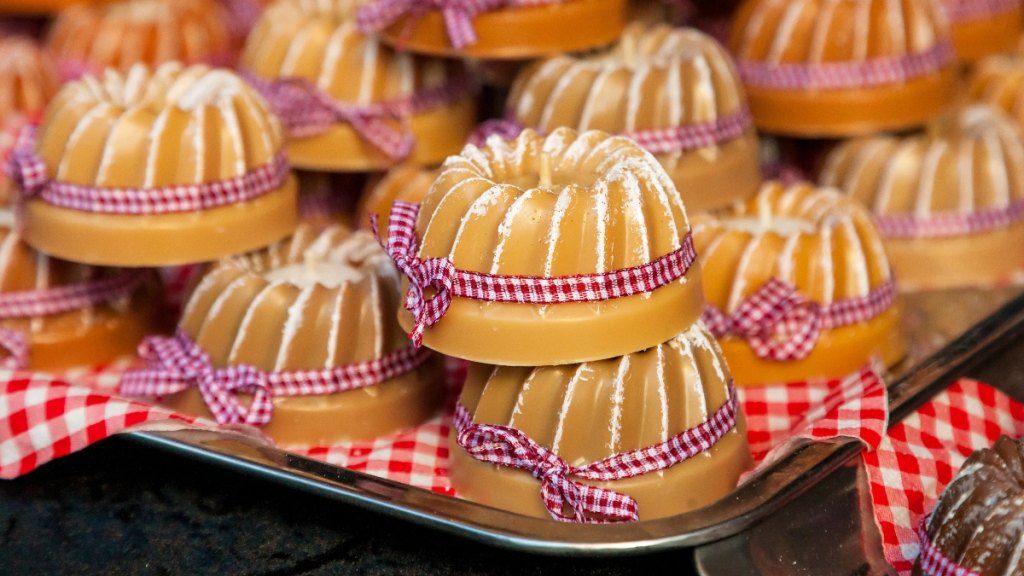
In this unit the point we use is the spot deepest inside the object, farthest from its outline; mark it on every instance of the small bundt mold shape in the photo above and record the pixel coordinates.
(655, 78)
(315, 300)
(511, 30)
(822, 244)
(983, 27)
(587, 412)
(608, 205)
(949, 202)
(81, 337)
(174, 126)
(93, 37)
(828, 68)
(317, 41)
(977, 523)
(403, 183)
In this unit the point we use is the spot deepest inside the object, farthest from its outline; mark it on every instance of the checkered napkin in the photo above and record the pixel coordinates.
(921, 454)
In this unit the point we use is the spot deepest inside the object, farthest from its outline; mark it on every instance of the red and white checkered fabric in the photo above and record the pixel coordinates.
(29, 170)
(966, 10)
(307, 111)
(450, 282)
(512, 448)
(779, 414)
(846, 75)
(781, 324)
(671, 140)
(175, 364)
(42, 419)
(950, 224)
(920, 455)
(458, 14)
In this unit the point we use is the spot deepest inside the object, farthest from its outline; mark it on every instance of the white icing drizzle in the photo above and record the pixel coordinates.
(296, 315)
(617, 399)
(567, 398)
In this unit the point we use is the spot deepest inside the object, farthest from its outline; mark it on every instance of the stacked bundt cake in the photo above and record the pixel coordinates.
(815, 260)
(596, 410)
(351, 104)
(949, 202)
(403, 183)
(673, 90)
(317, 302)
(93, 37)
(999, 81)
(828, 68)
(977, 527)
(608, 206)
(156, 167)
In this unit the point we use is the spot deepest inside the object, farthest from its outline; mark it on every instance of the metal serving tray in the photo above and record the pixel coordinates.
(949, 332)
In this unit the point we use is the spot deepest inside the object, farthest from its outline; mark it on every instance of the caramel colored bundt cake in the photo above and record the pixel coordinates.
(93, 37)
(983, 27)
(28, 78)
(41, 7)
(372, 106)
(812, 256)
(832, 68)
(586, 413)
(976, 525)
(999, 81)
(403, 183)
(155, 168)
(577, 245)
(949, 203)
(507, 30)
(673, 90)
(68, 314)
(313, 302)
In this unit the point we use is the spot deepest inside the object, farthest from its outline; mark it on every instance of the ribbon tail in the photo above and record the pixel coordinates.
(459, 24)
(395, 144)
(17, 346)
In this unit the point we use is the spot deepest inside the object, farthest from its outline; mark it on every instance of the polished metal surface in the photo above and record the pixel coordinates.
(949, 332)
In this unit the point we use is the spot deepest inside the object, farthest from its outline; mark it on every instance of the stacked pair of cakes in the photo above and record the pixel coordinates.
(53, 313)
(563, 267)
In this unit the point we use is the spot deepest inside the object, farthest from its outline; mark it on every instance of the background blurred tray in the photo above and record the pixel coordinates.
(950, 331)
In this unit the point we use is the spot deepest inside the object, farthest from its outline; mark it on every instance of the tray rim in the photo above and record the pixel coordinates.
(764, 493)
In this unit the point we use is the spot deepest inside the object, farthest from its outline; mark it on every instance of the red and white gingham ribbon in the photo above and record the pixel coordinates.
(29, 171)
(448, 282)
(512, 448)
(176, 363)
(307, 111)
(950, 224)
(48, 301)
(933, 561)
(845, 75)
(655, 140)
(966, 10)
(781, 324)
(458, 14)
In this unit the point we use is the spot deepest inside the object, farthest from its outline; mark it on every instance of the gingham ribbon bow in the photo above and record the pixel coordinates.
(458, 15)
(16, 345)
(509, 447)
(434, 273)
(441, 276)
(175, 364)
(778, 322)
(307, 111)
(933, 561)
(29, 171)
(781, 324)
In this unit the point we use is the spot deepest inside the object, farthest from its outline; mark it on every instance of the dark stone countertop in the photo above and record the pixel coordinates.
(121, 508)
